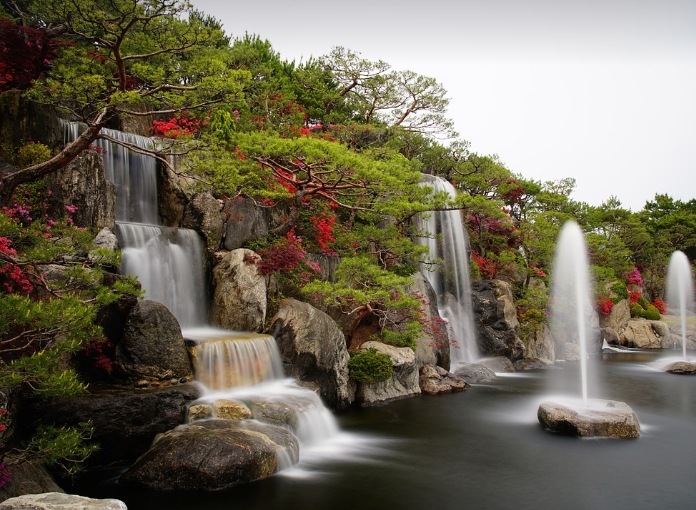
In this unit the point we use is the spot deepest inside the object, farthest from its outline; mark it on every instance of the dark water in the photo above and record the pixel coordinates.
(484, 449)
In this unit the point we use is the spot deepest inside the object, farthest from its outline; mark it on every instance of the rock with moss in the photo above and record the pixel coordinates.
(404, 382)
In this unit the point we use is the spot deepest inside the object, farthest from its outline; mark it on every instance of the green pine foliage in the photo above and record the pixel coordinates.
(370, 366)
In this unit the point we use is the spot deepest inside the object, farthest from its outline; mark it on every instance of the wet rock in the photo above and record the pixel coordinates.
(433, 345)
(475, 373)
(60, 501)
(239, 298)
(246, 221)
(433, 382)
(230, 410)
(152, 346)
(402, 384)
(531, 364)
(602, 418)
(314, 350)
(212, 455)
(499, 364)
(540, 344)
(681, 368)
(495, 318)
(204, 214)
(199, 412)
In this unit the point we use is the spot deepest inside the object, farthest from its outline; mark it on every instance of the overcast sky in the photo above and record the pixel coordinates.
(603, 91)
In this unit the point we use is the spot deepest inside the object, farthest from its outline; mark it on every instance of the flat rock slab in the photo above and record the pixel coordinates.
(602, 418)
(681, 368)
(60, 501)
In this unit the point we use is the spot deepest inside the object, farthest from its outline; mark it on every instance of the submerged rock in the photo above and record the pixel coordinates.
(498, 364)
(680, 367)
(435, 380)
(60, 501)
(213, 455)
(604, 418)
(531, 364)
(475, 373)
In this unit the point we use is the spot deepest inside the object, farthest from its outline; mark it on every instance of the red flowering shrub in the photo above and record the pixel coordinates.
(661, 306)
(323, 230)
(634, 296)
(181, 124)
(605, 305)
(635, 278)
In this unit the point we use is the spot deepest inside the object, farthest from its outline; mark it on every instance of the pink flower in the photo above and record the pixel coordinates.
(70, 208)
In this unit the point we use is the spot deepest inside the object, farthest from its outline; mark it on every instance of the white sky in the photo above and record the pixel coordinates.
(603, 91)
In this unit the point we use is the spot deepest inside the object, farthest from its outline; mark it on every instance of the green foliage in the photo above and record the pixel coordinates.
(370, 366)
(620, 291)
(406, 338)
(642, 308)
(64, 447)
(531, 310)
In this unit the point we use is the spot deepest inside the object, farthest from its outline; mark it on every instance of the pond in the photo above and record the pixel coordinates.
(482, 449)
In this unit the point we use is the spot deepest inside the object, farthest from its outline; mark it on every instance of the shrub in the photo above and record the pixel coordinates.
(407, 338)
(661, 306)
(370, 366)
(620, 290)
(651, 313)
(643, 303)
(605, 305)
(636, 310)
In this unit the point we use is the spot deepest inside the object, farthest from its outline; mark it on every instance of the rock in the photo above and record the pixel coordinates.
(645, 334)
(212, 455)
(572, 352)
(676, 333)
(83, 184)
(498, 364)
(618, 317)
(60, 501)
(174, 191)
(475, 373)
(199, 412)
(152, 346)
(288, 410)
(246, 221)
(680, 367)
(531, 364)
(239, 298)
(495, 318)
(433, 345)
(231, 410)
(313, 349)
(540, 344)
(605, 418)
(106, 239)
(204, 214)
(26, 478)
(125, 420)
(433, 382)
(402, 384)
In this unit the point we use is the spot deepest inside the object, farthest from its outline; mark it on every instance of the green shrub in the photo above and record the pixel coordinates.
(620, 290)
(370, 366)
(644, 303)
(651, 313)
(636, 310)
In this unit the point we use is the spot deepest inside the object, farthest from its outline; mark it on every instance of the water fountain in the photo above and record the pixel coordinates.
(680, 299)
(447, 241)
(570, 314)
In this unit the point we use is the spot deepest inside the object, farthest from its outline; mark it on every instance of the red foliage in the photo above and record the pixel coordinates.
(25, 55)
(100, 353)
(487, 267)
(605, 305)
(634, 296)
(12, 277)
(323, 230)
(514, 194)
(661, 306)
(181, 124)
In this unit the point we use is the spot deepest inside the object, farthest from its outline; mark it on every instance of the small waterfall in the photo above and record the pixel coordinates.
(448, 273)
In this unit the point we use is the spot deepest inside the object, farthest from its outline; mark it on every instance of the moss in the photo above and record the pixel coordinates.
(370, 366)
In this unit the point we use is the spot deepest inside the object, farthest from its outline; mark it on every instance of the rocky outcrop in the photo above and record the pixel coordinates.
(531, 364)
(403, 383)
(83, 185)
(433, 347)
(231, 410)
(644, 334)
(245, 221)
(125, 420)
(495, 317)
(499, 364)
(475, 372)
(603, 418)
(204, 214)
(25, 120)
(618, 317)
(540, 345)
(59, 501)
(313, 349)
(239, 298)
(26, 478)
(434, 380)
(152, 346)
(212, 455)
(174, 191)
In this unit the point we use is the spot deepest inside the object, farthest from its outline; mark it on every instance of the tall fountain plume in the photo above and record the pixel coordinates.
(680, 291)
(448, 243)
(570, 294)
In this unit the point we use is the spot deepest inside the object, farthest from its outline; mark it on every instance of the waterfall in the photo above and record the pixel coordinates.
(448, 271)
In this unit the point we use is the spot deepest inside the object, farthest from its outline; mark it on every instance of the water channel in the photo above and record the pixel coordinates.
(482, 449)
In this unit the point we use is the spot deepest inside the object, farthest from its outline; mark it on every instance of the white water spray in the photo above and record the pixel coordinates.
(680, 291)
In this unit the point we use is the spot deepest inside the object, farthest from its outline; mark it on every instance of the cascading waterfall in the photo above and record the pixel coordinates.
(169, 264)
(448, 242)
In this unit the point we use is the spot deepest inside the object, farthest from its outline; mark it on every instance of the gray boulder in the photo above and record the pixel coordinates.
(213, 455)
(498, 364)
(618, 317)
(246, 221)
(434, 380)
(604, 418)
(644, 334)
(152, 346)
(475, 372)
(404, 382)
(204, 214)
(60, 501)
(313, 350)
(239, 298)
(495, 318)
(433, 345)
(540, 344)
(26, 478)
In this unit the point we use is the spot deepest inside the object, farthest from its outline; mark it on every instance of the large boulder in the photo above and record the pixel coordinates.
(245, 221)
(174, 191)
(540, 345)
(60, 501)
(152, 346)
(404, 382)
(434, 380)
(645, 334)
(26, 478)
(433, 347)
(618, 317)
(83, 185)
(314, 350)
(495, 317)
(604, 418)
(239, 298)
(213, 455)
(204, 214)
(125, 420)
(475, 372)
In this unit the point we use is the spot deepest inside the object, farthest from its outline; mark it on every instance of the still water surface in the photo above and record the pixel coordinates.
(484, 449)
